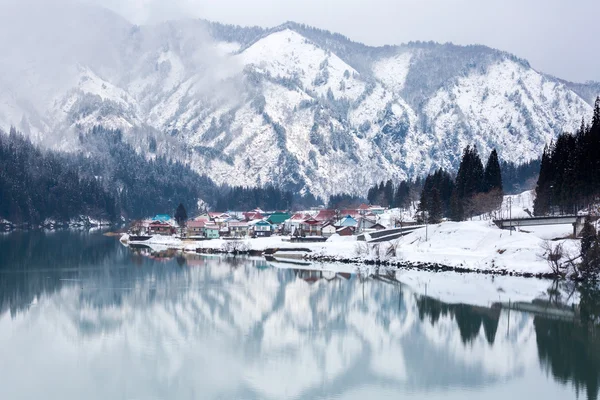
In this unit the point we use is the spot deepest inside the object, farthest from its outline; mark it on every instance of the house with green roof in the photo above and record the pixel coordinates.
(278, 218)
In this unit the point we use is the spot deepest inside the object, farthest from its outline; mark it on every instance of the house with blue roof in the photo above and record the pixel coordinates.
(348, 221)
(162, 218)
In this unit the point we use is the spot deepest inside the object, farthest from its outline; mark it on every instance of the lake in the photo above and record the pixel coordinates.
(83, 317)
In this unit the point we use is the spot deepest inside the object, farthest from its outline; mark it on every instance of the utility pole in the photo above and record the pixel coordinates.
(510, 213)
(424, 220)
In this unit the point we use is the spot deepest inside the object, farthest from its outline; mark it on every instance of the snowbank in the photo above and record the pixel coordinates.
(477, 245)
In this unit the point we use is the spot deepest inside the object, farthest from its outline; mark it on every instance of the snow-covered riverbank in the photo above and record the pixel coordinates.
(471, 245)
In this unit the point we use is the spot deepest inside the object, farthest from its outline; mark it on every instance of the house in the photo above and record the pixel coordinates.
(364, 223)
(162, 218)
(262, 229)
(326, 215)
(278, 218)
(195, 229)
(213, 216)
(363, 209)
(377, 210)
(310, 227)
(252, 216)
(345, 231)
(328, 229)
(160, 228)
(211, 231)
(203, 217)
(352, 213)
(293, 224)
(348, 221)
(238, 229)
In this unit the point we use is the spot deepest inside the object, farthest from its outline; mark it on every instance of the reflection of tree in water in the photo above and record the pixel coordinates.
(468, 318)
(571, 351)
(33, 262)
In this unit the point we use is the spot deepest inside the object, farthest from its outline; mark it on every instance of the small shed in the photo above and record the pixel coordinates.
(345, 231)
(328, 229)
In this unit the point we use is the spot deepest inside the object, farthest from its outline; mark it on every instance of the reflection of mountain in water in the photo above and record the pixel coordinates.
(231, 328)
(33, 262)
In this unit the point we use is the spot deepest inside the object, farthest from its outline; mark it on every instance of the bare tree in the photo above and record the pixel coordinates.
(553, 255)
(235, 247)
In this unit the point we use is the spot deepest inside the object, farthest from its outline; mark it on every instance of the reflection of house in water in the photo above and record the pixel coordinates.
(153, 253)
(312, 276)
(195, 260)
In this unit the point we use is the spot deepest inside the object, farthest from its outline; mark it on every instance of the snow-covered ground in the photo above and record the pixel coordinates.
(478, 245)
(549, 232)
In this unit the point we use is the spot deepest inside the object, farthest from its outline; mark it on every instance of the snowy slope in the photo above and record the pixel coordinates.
(293, 105)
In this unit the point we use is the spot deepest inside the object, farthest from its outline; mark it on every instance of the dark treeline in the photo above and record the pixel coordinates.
(268, 198)
(518, 178)
(570, 170)
(36, 185)
(114, 181)
(344, 201)
(476, 189)
(387, 194)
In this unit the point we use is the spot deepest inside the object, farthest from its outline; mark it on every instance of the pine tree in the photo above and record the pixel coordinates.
(492, 176)
(181, 216)
(469, 182)
(590, 251)
(435, 207)
(596, 117)
(456, 207)
(541, 204)
(388, 194)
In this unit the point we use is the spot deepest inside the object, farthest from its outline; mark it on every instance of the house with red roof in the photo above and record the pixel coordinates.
(311, 227)
(292, 225)
(325, 215)
(160, 228)
(253, 216)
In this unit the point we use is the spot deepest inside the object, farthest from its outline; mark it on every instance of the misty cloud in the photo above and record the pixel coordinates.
(554, 35)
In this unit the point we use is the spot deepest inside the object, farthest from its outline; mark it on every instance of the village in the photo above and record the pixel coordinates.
(307, 226)
(509, 241)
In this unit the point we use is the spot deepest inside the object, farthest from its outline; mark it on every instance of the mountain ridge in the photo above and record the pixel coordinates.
(293, 105)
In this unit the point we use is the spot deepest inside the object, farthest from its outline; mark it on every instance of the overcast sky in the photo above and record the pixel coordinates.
(556, 36)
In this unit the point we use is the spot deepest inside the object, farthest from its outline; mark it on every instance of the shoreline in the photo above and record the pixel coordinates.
(392, 264)
(464, 248)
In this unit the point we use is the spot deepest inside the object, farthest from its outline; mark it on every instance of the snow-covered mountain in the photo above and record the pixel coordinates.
(293, 105)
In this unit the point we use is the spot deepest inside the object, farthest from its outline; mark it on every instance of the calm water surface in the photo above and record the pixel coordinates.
(82, 317)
